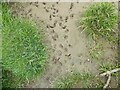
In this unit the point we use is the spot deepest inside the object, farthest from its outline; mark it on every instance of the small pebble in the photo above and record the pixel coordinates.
(88, 60)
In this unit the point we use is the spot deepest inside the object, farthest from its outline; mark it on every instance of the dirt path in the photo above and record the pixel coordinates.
(69, 47)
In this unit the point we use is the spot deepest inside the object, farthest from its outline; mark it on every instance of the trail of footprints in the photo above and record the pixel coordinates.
(61, 22)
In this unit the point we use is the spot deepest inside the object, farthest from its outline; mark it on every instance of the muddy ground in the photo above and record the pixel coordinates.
(69, 48)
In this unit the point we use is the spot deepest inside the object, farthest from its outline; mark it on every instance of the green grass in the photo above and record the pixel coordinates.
(104, 67)
(96, 52)
(100, 20)
(84, 80)
(23, 52)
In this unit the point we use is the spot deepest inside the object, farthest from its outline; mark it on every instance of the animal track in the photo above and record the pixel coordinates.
(29, 10)
(46, 9)
(50, 17)
(60, 24)
(60, 17)
(55, 60)
(51, 26)
(67, 30)
(66, 18)
(30, 15)
(57, 2)
(71, 15)
(61, 46)
(65, 49)
(37, 5)
(68, 55)
(59, 53)
(60, 63)
(53, 31)
(64, 27)
(47, 26)
(53, 15)
(65, 37)
(55, 22)
(69, 45)
(55, 36)
(71, 6)
(44, 3)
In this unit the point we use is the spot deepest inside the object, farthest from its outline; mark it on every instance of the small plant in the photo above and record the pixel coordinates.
(23, 52)
(96, 52)
(104, 67)
(84, 80)
(100, 20)
(108, 70)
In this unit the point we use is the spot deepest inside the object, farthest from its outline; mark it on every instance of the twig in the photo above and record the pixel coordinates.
(109, 76)
(109, 72)
(108, 81)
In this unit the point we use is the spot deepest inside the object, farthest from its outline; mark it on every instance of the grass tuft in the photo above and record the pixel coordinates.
(100, 20)
(104, 67)
(23, 53)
